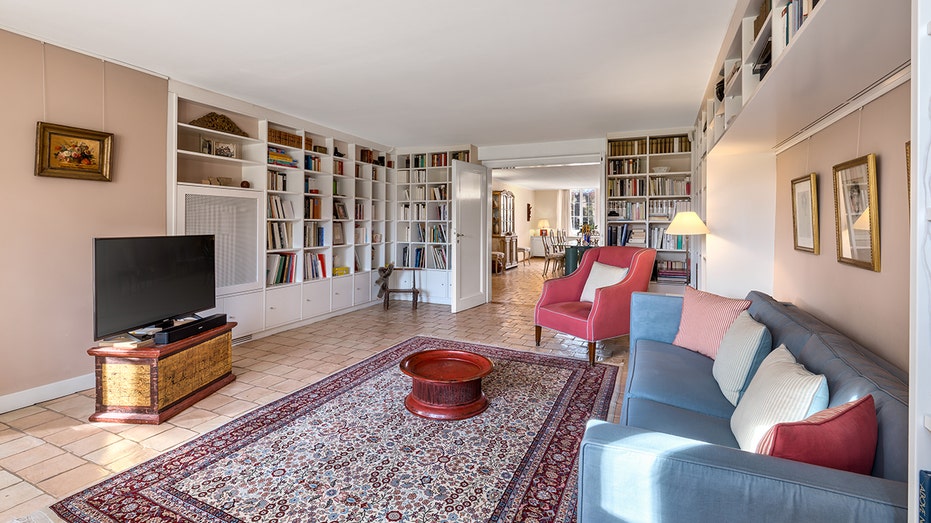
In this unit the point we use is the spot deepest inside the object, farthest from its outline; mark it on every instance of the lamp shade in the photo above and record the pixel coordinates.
(543, 224)
(687, 222)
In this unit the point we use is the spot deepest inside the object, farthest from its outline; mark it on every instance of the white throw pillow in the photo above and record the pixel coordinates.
(742, 349)
(601, 275)
(781, 391)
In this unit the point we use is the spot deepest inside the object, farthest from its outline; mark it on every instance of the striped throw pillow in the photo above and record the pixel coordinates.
(743, 348)
(705, 319)
(781, 391)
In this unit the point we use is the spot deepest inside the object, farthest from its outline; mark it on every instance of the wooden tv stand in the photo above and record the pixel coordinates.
(152, 384)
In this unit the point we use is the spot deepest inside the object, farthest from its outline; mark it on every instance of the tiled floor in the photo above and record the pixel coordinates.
(50, 450)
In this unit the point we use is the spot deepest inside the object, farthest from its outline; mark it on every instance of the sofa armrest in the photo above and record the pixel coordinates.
(631, 474)
(654, 317)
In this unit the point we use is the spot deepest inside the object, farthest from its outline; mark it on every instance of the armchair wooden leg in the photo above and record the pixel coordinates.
(591, 353)
(536, 333)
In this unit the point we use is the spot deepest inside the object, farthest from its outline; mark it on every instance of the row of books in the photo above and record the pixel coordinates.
(626, 210)
(660, 240)
(313, 208)
(625, 166)
(416, 176)
(314, 235)
(625, 234)
(279, 208)
(278, 236)
(417, 256)
(628, 187)
(314, 266)
(280, 268)
(278, 156)
(670, 187)
(359, 210)
(670, 144)
(277, 180)
(667, 209)
(793, 15)
(314, 163)
(361, 235)
(627, 147)
(438, 234)
(417, 211)
(660, 145)
(439, 257)
(671, 271)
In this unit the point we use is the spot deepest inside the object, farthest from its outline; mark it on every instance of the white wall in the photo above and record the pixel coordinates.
(740, 214)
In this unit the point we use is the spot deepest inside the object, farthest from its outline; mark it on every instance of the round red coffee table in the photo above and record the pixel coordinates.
(447, 384)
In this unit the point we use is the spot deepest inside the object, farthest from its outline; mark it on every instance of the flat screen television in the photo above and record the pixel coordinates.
(145, 281)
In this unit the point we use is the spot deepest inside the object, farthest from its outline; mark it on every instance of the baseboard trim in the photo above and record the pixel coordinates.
(26, 398)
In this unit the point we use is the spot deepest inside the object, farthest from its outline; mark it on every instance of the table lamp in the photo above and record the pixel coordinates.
(687, 223)
(543, 226)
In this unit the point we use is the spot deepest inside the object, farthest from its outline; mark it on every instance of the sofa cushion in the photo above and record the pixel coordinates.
(743, 348)
(570, 317)
(668, 374)
(705, 319)
(780, 391)
(842, 437)
(669, 419)
(601, 275)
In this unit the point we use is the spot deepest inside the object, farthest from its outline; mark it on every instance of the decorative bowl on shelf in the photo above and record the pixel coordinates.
(661, 169)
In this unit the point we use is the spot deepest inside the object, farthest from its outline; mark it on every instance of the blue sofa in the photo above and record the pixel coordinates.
(673, 456)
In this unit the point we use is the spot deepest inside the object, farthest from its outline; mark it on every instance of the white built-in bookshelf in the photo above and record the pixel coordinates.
(423, 217)
(648, 178)
(302, 214)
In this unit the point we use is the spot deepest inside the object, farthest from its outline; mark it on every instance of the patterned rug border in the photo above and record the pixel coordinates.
(257, 423)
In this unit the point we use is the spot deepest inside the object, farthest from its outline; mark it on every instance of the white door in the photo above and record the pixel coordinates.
(470, 278)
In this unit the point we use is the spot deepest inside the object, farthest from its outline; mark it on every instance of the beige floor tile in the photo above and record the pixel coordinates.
(72, 434)
(51, 467)
(20, 444)
(8, 417)
(24, 509)
(73, 480)
(7, 479)
(114, 452)
(21, 460)
(91, 443)
(168, 439)
(17, 494)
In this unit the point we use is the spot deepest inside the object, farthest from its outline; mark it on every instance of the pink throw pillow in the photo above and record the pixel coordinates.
(842, 437)
(705, 319)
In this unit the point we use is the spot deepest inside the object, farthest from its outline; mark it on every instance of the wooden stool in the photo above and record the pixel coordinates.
(384, 273)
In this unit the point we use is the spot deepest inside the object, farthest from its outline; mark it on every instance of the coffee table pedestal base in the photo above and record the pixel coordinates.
(446, 401)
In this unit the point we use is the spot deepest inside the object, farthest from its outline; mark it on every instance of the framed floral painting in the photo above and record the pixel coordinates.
(71, 152)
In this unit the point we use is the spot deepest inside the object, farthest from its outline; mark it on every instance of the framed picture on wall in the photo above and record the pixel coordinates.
(805, 213)
(856, 212)
(71, 152)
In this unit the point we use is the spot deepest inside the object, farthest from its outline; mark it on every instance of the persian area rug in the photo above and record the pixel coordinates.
(346, 449)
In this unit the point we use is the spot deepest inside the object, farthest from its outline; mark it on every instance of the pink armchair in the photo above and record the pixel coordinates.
(608, 316)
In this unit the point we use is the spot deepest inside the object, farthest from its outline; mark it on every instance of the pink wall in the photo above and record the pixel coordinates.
(47, 224)
(870, 307)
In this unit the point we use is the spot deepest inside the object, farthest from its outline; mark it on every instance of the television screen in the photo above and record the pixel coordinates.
(145, 280)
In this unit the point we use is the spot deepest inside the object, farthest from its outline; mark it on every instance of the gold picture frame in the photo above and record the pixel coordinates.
(856, 212)
(805, 226)
(71, 152)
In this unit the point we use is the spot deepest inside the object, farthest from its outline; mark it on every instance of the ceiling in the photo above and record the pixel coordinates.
(416, 72)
